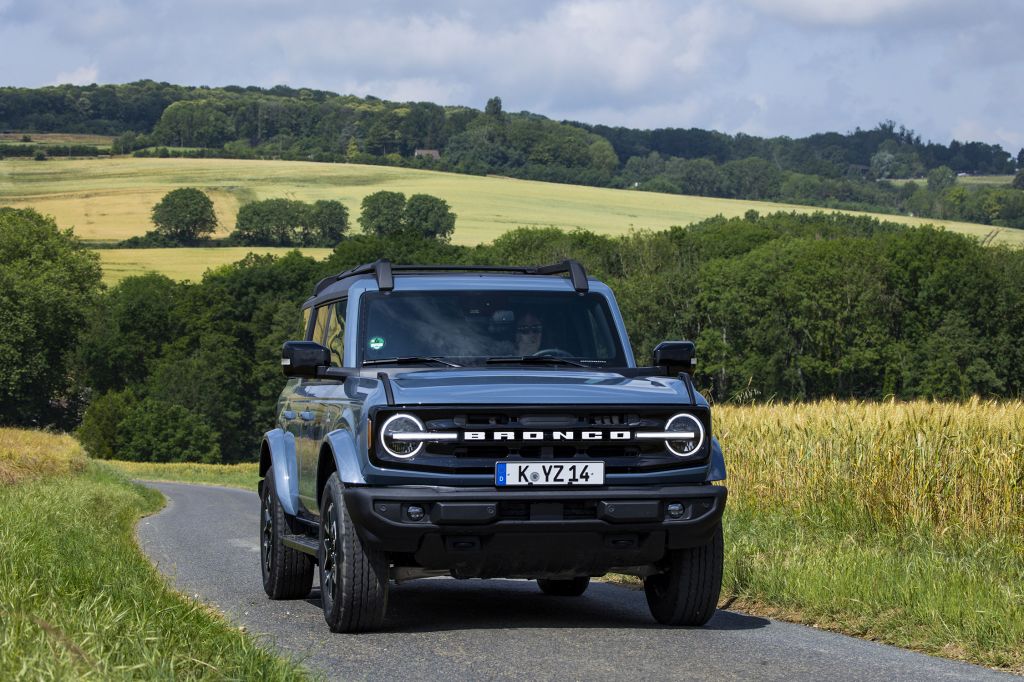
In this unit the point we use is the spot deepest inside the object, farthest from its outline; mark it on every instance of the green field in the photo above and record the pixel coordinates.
(110, 198)
(963, 180)
(181, 264)
(51, 139)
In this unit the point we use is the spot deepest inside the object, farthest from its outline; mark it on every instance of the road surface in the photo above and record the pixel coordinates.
(206, 541)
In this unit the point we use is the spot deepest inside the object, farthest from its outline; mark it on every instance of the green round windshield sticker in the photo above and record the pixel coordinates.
(376, 343)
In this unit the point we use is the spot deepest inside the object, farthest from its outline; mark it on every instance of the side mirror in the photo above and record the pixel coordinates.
(676, 356)
(302, 358)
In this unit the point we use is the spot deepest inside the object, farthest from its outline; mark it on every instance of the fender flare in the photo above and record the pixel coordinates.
(716, 471)
(346, 457)
(281, 445)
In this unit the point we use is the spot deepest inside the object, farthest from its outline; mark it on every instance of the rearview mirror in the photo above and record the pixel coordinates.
(302, 358)
(676, 356)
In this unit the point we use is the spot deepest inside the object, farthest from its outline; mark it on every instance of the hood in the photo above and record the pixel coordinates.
(535, 386)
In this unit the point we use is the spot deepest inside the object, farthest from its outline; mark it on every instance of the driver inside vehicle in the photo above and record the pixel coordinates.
(529, 332)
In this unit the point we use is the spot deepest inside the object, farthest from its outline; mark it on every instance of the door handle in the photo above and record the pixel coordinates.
(306, 416)
(288, 414)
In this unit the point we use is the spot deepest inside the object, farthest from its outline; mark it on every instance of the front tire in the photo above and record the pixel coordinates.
(353, 577)
(572, 587)
(287, 573)
(687, 593)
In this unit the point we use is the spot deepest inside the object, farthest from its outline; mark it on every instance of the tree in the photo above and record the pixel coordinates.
(382, 213)
(47, 283)
(428, 216)
(941, 179)
(493, 107)
(271, 222)
(1018, 180)
(184, 215)
(326, 225)
(127, 330)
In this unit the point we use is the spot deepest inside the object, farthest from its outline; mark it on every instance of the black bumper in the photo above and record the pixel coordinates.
(484, 532)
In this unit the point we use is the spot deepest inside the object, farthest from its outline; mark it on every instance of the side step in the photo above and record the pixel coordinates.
(303, 543)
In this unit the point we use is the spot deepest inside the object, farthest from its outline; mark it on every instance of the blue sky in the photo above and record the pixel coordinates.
(948, 69)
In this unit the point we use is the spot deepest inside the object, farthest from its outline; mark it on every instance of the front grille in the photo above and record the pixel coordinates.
(479, 456)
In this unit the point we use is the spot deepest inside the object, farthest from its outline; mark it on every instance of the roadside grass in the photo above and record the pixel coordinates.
(182, 263)
(111, 198)
(899, 522)
(244, 475)
(78, 600)
(31, 454)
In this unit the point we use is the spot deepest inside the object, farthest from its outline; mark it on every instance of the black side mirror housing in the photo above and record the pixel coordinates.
(676, 356)
(303, 358)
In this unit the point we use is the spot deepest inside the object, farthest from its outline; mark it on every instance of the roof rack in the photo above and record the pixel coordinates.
(384, 272)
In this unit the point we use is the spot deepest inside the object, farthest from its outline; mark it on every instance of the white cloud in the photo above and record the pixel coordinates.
(83, 75)
(840, 12)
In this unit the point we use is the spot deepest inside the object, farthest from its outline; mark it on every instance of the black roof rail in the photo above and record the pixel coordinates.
(384, 272)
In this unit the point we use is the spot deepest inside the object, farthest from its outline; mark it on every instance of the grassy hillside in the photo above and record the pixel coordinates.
(110, 199)
(78, 600)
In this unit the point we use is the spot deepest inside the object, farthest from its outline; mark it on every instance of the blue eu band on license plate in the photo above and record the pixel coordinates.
(548, 473)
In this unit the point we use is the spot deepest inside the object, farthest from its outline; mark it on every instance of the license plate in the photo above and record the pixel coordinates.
(548, 473)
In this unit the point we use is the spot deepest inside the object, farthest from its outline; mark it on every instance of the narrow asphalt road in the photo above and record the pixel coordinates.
(206, 542)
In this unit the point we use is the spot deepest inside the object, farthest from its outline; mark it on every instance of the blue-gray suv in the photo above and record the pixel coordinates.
(485, 422)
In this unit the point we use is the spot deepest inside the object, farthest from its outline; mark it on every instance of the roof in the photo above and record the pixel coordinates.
(384, 272)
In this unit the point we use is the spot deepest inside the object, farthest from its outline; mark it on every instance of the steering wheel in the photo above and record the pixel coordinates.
(552, 352)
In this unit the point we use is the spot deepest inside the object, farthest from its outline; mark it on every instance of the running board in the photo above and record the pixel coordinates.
(303, 543)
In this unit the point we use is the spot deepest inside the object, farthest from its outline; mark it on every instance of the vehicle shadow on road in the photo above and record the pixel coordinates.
(445, 604)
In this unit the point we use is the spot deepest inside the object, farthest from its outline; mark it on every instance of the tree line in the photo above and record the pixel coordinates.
(186, 217)
(828, 169)
(782, 307)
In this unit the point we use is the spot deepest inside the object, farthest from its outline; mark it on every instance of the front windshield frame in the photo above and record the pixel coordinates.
(615, 357)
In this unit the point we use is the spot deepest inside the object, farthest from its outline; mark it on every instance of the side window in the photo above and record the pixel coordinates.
(306, 314)
(336, 333)
(322, 313)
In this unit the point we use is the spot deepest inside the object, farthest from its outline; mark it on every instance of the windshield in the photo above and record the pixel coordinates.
(470, 328)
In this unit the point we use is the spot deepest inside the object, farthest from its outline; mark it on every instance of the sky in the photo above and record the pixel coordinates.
(948, 69)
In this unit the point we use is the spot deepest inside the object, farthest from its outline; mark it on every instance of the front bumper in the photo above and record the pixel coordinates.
(485, 532)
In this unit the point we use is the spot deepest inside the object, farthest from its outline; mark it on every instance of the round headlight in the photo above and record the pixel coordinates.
(390, 435)
(691, 433)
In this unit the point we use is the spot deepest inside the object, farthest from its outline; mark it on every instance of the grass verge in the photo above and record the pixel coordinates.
(244, 475)
(78, 600)
(30, 454)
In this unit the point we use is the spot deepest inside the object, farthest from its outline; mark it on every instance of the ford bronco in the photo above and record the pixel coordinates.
(485, 422)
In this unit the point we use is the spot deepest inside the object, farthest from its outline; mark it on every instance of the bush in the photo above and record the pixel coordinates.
(121, 426)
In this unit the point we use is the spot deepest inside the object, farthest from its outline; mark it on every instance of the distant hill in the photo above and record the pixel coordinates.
(829, 169)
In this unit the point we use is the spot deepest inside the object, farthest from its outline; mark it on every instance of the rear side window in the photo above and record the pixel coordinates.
(336, 333)
(320, 328)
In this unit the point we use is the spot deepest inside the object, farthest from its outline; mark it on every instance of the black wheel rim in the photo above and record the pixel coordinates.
(267, 533)
(328, 564)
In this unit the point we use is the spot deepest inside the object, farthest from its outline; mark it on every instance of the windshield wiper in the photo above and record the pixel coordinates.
(409, 360)
(533, 360)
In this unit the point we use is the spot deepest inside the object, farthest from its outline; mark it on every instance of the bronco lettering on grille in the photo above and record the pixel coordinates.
(546, 435)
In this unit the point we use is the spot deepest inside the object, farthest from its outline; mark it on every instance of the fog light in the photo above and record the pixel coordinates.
(415, 512)
(675, 510)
